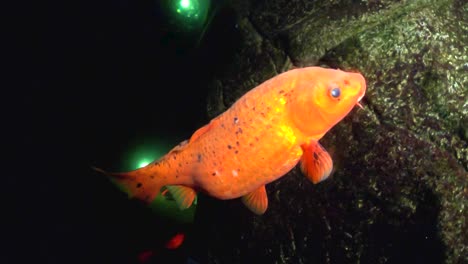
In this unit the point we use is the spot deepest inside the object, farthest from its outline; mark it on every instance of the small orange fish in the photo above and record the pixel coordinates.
(176, 241)
(260, 138)
(173, 243)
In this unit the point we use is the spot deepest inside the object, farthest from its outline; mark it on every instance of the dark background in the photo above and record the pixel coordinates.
(84, 81)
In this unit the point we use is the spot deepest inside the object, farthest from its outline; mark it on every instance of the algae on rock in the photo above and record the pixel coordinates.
(399, 191)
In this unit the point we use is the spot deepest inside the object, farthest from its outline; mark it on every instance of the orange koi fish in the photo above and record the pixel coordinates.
(260, 138)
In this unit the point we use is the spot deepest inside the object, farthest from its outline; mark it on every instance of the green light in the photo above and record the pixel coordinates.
(142, 152)
(189, 9)
(143, 163)
(187, 15)
(184, 3)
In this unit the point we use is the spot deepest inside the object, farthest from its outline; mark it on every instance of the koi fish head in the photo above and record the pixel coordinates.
(324, 97)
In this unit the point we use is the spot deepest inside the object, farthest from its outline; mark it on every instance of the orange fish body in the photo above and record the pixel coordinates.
(257, 140)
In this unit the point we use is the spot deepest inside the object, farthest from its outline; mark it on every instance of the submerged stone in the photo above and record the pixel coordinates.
(399, 191)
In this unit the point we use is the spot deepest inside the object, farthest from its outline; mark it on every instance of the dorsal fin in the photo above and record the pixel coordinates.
(202, 130)
(179, 147)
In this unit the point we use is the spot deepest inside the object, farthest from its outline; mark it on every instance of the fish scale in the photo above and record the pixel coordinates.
(264, 127)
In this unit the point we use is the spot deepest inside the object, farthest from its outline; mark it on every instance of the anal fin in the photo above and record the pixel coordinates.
(256, 201)
(184, 196)
(316, 163)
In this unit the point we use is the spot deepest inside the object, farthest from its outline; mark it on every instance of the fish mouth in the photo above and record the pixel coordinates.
(363, 92)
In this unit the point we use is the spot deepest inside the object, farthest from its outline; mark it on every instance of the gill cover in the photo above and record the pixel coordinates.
(323, 98)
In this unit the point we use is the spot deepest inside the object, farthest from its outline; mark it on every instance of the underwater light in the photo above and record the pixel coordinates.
(185, 3)
(143, 152)
(188, 8)
(188, 15)
(143, 163)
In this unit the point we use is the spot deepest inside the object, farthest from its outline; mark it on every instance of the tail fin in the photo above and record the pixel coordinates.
(141, 184)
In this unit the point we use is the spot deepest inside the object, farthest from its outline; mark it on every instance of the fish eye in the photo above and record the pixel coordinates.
(335, 92)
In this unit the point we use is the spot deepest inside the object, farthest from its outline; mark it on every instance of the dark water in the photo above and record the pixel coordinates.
(91, 83)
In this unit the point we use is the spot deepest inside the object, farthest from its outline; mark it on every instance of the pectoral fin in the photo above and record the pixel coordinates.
(316, 163)
(256, 201)
(184, 196)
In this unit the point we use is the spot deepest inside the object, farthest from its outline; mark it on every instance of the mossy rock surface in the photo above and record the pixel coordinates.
(399, 192)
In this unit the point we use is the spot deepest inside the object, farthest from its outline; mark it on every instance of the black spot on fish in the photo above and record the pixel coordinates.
(236, 120)
(229, 147)
(138, 185)
(253, 108)
(237, 143)
(180, 164)
(174, 157)
(214, 173)
(315, 156)
(199, 157)
(152, 176)
(281, 91)
(239, 130)
(236, 151)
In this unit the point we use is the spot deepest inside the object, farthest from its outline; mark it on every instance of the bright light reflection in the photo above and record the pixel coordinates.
(185, 3)
(143, 163)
